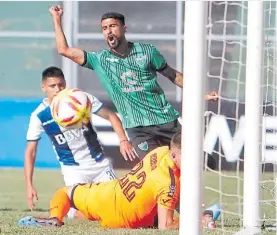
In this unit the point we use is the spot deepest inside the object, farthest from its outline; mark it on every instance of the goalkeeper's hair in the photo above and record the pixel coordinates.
(114, 15)
(176, 141)
(52, 72)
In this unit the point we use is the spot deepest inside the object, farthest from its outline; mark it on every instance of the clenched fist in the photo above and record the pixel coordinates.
(56, 11)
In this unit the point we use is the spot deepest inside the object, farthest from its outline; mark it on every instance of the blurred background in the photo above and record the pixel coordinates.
(27, 47)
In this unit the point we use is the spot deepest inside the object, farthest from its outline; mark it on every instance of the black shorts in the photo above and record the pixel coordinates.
(147, 138)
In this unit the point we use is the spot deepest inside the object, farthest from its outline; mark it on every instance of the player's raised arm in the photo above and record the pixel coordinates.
(75, 54)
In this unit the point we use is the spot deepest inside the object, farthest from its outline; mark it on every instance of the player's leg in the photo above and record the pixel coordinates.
(74, 175)
(60, 203)
(90, 173)
(143, 140)
(59, 207)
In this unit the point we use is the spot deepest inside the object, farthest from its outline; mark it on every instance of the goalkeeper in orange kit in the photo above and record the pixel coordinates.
(151, 188)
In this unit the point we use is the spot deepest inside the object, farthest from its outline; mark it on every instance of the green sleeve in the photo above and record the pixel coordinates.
(158, 61)
(90, 60)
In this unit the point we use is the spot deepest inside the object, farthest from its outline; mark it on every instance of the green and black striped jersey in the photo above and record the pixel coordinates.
(131, 83)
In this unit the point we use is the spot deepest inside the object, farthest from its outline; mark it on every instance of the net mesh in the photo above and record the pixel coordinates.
(268, 181)
(223, 143)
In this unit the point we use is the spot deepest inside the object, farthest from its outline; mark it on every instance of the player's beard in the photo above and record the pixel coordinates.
(114, 43)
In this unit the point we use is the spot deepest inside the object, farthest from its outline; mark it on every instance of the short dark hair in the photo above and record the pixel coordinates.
(114, 15)
(176, 141)
(52, 72)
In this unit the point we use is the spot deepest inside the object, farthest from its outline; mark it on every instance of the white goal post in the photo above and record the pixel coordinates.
(253, 116)
(194, 69)
(193, 124)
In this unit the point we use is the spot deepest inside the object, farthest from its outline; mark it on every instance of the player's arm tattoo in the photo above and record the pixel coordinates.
(173, 75)
(77, 55)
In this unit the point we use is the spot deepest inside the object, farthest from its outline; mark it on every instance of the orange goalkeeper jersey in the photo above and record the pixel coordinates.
(131, 201)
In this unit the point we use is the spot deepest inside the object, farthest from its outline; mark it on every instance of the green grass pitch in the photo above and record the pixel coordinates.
(13, 205)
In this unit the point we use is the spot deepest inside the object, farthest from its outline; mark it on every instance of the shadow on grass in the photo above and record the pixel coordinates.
(36, 210)
(26, 210)
(7, 209)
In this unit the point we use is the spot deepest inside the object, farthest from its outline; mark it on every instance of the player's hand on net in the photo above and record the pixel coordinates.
(212, 96)
(56, 11)
(127, 150)
(32, 196)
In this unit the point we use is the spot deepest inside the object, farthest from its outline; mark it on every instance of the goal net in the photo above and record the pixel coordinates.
(224, 121)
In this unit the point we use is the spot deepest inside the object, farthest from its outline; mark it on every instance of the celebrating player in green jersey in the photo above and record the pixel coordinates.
(128, 72)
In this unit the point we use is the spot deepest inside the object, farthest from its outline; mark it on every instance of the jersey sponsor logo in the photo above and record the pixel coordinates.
(143, 146)
(172, 189)
(68, 136)
(132, 89)
(130, 79)
(141, 60)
